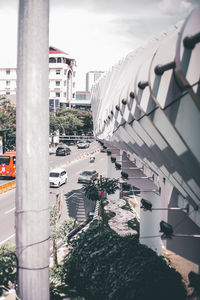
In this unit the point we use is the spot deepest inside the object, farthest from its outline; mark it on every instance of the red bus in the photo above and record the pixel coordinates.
(8, 164)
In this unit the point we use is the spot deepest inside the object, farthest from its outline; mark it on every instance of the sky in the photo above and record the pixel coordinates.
(97, 33)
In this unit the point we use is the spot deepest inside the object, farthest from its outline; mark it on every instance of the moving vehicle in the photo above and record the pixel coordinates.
(87, 176)
(83, 145)
(92, 158)
(8, 164)
(63, 150)
(57, 177)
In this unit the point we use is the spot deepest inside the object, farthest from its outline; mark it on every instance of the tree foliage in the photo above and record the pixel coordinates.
(8, 266)
(95, 191)
(71, 121)
(103, 265)
(59, 230)
(103, 184)
(8, 124)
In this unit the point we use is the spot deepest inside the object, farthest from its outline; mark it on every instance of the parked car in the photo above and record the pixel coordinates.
(57, 177)
(87, 176)
(83, 145)
(63, 150)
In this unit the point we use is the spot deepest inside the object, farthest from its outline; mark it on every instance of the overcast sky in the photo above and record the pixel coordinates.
(97, 33)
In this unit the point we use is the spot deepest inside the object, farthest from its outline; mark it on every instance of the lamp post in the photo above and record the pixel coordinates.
(32, 204)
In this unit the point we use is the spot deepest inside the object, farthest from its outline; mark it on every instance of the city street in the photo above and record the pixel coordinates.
(74, 203)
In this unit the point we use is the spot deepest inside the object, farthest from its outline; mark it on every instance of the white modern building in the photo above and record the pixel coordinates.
(82, 100)
(146, 113)
(91, 78)
(62, 72)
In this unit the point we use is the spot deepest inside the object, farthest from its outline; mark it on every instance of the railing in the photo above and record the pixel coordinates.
(75, 137)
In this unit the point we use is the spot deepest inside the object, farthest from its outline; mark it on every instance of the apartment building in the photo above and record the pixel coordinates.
(62, 73)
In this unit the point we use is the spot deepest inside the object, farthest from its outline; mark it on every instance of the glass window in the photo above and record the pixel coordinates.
(4, 160)
(14, 160)
(57, 83)
(53, 174)
(7, 83)
(57, 94)
(65, 83)
(86, 173)
(57, 71)
(52, 60)
(7, 71)
(59, 60)
(65, 94)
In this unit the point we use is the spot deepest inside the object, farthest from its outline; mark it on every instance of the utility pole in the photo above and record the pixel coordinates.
(32, 201)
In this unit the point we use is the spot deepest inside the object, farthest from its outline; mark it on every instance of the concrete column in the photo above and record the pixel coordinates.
(113, 173)
(150, 223)
(32, 193)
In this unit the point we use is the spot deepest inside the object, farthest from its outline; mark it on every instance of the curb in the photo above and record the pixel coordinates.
(7, 186)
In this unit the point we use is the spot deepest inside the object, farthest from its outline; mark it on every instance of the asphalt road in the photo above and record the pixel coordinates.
(75, 204)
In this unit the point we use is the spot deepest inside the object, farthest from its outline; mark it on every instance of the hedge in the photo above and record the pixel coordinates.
(103, 265)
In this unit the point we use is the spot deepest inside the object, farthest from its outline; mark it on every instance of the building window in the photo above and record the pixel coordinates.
(52, 60)
(73, 84)
(65, 94)
(7, 93)
(57, 94)
(74, 74)
(59, 60)
(7, 83)
(8, 72)
(57, 83)
(57, 71)
(65, 83)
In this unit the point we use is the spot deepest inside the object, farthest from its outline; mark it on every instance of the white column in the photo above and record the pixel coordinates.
(150, 223)
(113, 173)
(32, 192)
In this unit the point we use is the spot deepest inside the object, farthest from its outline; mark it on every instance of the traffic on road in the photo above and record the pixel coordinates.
(74, 203)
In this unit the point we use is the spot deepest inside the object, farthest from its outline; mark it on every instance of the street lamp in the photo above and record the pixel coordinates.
(147, 206)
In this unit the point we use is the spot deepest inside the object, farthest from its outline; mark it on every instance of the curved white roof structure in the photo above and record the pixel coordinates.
(148, 106)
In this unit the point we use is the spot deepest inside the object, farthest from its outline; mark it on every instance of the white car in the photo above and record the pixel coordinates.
(83, 145)
(57, 177)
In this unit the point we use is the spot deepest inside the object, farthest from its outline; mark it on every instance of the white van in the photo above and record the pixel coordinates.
(57, 177)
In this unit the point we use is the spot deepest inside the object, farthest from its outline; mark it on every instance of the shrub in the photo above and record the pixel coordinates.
(8, 265)
(103, 265)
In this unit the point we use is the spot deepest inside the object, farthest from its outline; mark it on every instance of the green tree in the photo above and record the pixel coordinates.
(95, 191)
(8, 267)
(8, 124)
(71, 121)
(59, 230)
(86, 118)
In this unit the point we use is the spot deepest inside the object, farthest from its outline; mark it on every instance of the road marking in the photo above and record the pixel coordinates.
(10, 237)
(8, 211)
(71, 195)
